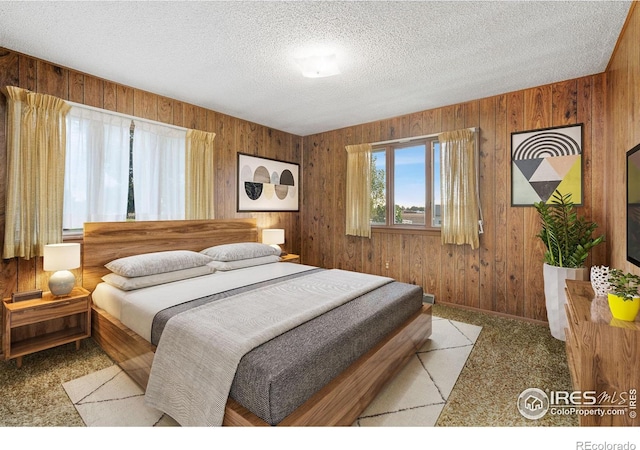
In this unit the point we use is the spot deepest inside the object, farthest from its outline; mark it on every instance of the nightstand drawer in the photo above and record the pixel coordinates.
(48, 311)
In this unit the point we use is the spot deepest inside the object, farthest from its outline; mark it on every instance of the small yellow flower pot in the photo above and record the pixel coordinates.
(623, 309)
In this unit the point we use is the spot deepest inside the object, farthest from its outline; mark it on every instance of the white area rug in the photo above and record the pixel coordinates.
(414, 398)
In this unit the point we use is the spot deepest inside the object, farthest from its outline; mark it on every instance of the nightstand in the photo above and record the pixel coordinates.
(290, 257)
(34, 325)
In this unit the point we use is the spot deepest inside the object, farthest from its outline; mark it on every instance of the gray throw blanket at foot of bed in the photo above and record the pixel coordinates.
(200, 349)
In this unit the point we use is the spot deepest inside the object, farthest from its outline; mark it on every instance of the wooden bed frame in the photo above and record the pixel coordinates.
(339, 403)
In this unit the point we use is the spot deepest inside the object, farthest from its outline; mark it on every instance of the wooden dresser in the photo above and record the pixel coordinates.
(603, 354)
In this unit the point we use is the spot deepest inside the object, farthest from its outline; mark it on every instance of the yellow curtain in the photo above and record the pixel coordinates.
(458, 183)
(199, 175)
(36, 140)
(358, 203)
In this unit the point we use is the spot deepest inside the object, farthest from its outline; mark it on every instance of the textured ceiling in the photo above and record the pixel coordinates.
(395, 57)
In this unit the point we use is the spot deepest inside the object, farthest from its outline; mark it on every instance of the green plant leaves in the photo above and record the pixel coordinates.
(624, 284)
(567, 236)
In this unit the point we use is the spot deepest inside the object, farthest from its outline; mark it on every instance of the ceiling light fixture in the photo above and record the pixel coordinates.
(318, 66)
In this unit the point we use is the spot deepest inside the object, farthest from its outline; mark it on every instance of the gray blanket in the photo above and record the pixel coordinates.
(200, 349)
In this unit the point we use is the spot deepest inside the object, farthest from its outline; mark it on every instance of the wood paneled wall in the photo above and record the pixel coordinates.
(232, 135)
(623, 121)
(505, 274)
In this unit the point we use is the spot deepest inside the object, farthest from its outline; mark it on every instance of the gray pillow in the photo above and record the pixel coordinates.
(132, 283)
(243, 250)
(157, 262)
(241, 263)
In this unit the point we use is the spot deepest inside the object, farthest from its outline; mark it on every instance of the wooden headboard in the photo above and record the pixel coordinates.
(106, 241)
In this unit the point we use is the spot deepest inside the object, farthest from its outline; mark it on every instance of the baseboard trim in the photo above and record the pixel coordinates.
(494, 313)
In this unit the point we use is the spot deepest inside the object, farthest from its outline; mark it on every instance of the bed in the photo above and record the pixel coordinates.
(338, 400)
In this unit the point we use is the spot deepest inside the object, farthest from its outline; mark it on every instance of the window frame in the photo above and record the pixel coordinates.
(389, 149)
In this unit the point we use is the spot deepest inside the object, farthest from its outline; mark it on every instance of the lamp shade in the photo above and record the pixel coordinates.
(61, 256)
(273, 236)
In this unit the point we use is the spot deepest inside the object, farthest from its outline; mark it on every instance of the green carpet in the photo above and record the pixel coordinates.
(509, 356)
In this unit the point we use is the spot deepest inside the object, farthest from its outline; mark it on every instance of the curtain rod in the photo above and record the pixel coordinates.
(415, 138)
(126, 116)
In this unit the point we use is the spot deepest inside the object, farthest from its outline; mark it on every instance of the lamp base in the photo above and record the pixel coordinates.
(62, 282)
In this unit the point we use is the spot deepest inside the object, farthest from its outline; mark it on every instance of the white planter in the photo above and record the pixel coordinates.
(555, 297)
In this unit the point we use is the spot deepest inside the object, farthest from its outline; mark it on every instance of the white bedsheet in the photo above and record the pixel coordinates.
(136, 309)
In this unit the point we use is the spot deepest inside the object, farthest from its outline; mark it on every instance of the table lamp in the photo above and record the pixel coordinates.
(60, 258)
(273, 237)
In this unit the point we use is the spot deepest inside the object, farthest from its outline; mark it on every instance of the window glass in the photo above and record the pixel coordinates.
(409, 185)
(406, 176)
(436, 209)
(379, 187)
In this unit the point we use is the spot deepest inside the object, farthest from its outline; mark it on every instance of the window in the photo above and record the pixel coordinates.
(158, 171)
(96, 168)
(118, 169)
(405, 185)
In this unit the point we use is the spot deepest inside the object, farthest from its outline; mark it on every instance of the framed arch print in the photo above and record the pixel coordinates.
(545, 161)
(267, 185)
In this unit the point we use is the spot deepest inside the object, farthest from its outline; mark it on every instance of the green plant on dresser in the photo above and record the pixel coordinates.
(623, 296)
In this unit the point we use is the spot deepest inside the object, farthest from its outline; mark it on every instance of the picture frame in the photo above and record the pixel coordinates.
(545, 161)
(267, 185)
(26, 295)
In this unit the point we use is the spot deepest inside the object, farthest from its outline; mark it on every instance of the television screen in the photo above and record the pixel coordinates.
(633, 205)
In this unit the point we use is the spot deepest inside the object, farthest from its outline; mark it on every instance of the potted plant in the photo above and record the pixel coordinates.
(568, 238)
(623, 296)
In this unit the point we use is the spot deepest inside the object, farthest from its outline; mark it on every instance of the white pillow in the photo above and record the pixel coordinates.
(132, 283)
(157, 262)
(241, 263)
(243, 250)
